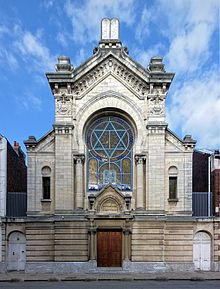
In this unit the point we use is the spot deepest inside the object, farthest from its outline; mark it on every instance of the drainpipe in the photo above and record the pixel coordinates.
(209, 186)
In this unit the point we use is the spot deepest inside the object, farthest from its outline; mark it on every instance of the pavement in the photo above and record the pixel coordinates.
(193, 276)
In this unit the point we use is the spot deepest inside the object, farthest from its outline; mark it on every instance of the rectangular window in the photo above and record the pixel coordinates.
(46, 187)
(172, 188)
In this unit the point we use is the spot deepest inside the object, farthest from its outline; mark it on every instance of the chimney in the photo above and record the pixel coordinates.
(16, 147)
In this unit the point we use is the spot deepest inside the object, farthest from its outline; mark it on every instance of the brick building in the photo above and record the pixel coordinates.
(111, 185)
(13, 185)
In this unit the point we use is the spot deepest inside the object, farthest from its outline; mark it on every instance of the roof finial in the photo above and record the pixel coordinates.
(110, 29)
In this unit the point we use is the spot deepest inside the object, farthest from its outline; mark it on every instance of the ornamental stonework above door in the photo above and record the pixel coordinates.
(109, 201)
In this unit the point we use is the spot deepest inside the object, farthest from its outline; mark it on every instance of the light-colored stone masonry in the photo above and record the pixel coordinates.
(157, 234)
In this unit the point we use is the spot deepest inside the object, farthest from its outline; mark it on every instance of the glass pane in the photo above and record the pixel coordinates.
(109, 140)
(126, 165)
(172, 187)
(126, 179)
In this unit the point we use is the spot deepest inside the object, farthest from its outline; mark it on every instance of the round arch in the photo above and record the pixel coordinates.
(16, 251)
(110, 101)
(202, 242)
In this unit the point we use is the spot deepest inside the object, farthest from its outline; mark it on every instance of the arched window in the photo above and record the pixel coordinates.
(46, 175)
(109, 142)
(173, 172)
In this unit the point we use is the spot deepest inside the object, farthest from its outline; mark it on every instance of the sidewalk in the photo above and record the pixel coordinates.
(194, 276)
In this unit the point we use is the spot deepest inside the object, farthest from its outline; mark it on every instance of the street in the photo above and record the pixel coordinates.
(181, 284)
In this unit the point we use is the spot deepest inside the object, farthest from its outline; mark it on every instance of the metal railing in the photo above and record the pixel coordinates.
(202, 204)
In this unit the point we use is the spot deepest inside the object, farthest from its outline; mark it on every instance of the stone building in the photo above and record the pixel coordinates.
(111, 185)
(13, 186)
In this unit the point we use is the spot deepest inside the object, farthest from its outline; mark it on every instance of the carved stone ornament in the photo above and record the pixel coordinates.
(109, 201)
(156, 105)
(115, 67)
(63, 105)
(110, 205)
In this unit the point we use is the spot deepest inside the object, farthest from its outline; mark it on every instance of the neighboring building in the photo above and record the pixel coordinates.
(13, 184)
(215, 181)
(110, 185)
(206, 183)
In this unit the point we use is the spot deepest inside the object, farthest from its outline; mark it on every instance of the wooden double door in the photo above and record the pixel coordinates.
(109, 248)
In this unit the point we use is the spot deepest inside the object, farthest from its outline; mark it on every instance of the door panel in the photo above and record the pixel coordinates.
(16, 252)
(202, 251)
(109, 248)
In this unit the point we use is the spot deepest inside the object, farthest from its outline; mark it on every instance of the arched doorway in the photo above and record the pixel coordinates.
(16, 251)
(202, 251)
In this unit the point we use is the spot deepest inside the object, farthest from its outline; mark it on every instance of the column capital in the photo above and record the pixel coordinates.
(79, 159)
(140, 158)
(92, 230)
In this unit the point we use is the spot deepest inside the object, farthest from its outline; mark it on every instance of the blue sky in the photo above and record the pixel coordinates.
(33, 33)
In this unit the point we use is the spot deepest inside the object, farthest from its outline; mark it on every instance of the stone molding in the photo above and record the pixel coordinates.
(95, 104)
(109, 201)
(116, 68)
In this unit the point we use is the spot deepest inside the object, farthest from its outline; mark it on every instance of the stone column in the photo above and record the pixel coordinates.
(140, 181)
(79, 197)
(92, 243)
(126, 244)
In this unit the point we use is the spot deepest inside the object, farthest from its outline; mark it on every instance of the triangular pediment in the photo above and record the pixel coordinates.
(46, 143)
(173, 143)
(109, 201)
(133, 78)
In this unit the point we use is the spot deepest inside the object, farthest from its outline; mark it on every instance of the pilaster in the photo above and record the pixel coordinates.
(64, 190)
(79, 183)
(140, 159)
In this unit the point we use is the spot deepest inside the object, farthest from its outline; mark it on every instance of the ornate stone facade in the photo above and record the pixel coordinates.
(98, 199)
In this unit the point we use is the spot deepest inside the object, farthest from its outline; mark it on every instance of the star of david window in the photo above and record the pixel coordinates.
(109, 142)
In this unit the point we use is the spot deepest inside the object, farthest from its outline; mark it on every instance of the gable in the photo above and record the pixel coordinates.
(111, 66)
(46, 144)
(173, 143)
(115, 85)
(109, 201)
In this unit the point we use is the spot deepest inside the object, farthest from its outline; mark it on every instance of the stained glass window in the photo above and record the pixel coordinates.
(109, 142)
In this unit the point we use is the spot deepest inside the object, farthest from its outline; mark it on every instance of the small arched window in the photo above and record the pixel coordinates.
(173, 173)
(46, 182)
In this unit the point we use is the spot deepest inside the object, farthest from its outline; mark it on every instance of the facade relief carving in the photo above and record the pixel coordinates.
(109, 201)
(64, 105)
(156, 105)
(113, 66)
(110, 206)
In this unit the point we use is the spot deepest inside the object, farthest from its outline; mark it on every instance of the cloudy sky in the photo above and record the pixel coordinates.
(33, 33)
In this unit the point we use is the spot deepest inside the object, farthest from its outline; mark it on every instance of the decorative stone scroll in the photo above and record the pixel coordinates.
(110, 65)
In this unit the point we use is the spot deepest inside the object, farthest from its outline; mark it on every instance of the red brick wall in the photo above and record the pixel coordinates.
(200, 172)
(215, 188)
(16, 171)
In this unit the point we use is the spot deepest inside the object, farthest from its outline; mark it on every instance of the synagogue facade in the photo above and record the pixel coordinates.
(111, 185)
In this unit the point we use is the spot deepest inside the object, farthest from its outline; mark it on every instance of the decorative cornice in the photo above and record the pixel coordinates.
(116, 68)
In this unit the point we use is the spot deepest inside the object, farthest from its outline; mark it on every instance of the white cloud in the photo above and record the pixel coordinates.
(85, 18)
(62, 39)
(195, 109)
(190, 50)
(29, 101)
(189, 26)
(144, 57)
(142, 29)
(48, 4)
(8, 59)
(33, 49)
